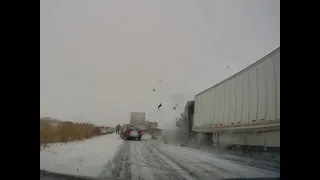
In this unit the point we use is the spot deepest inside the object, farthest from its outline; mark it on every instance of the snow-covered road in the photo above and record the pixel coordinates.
(155, 160)
(111, 157)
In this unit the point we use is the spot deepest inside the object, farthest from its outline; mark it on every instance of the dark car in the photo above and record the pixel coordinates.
(130, 131)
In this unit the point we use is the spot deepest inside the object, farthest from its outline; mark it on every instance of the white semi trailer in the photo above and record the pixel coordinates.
(138, 119)
(243, 110)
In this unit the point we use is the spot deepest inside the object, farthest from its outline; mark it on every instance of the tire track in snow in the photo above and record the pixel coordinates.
(202, 165)
(138, 166)
(191, 170)
(266, 163)
(144, 157)
(117, 168)
(164, 164)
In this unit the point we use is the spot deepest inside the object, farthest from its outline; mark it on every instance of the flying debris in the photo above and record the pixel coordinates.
(153, 90)
(175, 107)
(227, 67)
(159, 79)
(159, 105)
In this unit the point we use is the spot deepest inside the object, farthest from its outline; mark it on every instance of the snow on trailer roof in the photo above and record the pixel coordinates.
(243, 70)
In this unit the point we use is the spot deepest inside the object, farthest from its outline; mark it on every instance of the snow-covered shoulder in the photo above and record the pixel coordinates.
(85, 158)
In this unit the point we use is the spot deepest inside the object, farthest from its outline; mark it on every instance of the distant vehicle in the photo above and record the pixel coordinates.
(152, 124)
(138, 119)
(130, 131)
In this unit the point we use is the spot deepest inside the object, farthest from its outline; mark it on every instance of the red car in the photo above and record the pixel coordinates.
(130, 131)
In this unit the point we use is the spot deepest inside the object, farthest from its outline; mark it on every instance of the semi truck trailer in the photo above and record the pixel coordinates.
(243, 110)
(138, 119)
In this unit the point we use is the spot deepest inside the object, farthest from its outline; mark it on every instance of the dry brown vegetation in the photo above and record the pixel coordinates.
(53, 131)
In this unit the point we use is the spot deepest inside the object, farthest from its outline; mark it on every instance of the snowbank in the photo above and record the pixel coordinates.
(84, 158)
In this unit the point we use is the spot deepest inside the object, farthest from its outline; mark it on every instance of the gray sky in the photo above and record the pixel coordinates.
(100, 59)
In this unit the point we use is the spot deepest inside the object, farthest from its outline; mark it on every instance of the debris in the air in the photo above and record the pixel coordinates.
(159, 105)
(175, 107)
(153, 89)
(227, 67)
(159, 79)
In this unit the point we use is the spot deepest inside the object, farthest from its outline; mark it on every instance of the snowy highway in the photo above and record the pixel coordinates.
(110, 157)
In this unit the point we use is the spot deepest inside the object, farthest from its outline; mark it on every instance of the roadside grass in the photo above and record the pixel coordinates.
(64, 131)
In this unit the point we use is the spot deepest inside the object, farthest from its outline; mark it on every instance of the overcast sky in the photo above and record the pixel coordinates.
(100, 59)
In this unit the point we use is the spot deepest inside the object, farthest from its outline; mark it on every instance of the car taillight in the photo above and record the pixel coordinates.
(140, 131)
(128, 131)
